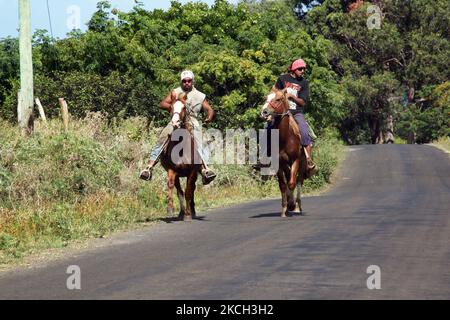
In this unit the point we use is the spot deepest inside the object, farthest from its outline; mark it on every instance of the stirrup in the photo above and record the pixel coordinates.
(311, 168)
(207, 176)
(146, 174)
(310, 164)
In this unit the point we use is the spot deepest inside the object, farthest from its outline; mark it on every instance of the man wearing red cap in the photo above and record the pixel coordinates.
(196, 102)
(297, 92)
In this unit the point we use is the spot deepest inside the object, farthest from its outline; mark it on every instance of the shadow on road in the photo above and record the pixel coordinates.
(176, 219)
(276, 214)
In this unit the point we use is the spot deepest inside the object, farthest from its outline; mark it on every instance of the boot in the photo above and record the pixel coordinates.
(146, 174)
(310, 167)
(207, 176)
(310, 164)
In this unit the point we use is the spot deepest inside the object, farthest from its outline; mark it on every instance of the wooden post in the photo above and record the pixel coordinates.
(19, 106)
(25, 104)
(41, 110)
(64, 113)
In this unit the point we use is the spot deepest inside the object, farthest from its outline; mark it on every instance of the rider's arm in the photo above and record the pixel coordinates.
(302, 96)
(206, 107)
(297, 100)
(166, 103)
(279, 85)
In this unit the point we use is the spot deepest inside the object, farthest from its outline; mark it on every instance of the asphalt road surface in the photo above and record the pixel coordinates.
(389, 208)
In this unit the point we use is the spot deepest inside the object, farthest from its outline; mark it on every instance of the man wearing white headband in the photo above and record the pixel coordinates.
(196, 102)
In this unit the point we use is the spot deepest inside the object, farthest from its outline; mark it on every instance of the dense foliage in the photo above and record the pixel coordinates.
(126, 62)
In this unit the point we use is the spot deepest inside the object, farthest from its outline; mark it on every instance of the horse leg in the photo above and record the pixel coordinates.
(301, 177)
(293, 176)
(180, 194)
(193, 213)
(298, 200)
(289, 192)
(282, 184)
(290, 199)
(189, 195)
(171, 174)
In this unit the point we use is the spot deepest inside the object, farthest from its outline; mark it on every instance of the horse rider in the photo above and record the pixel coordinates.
(297, 93)
(195, 103)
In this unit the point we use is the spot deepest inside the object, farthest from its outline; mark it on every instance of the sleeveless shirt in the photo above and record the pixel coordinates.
(194, 103)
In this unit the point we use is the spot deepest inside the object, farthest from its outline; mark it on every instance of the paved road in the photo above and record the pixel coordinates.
(390, 208)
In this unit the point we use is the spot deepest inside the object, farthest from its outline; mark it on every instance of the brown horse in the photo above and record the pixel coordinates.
(292, 159)
(181, 164)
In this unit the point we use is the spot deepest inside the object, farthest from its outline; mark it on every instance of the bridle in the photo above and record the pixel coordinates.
(278, 108)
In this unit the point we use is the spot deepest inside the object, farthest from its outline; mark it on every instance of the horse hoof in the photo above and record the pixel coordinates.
(170, 212)
(297, 209)
(187, 218)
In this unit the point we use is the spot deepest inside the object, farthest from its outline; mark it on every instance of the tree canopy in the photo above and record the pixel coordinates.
(126, 62)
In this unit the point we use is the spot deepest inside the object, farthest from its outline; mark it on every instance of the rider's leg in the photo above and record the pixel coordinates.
(208, 174)
(306, 139)
(311, 164)
(156, 151)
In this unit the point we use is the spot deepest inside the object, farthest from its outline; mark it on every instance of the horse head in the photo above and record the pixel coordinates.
(179, 110)
(276, 105)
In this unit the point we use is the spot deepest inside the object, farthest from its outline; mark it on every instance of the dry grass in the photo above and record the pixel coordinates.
(443, 143)
(57, 188)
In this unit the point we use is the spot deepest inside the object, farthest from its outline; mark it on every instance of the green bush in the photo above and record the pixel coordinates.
(56, 167)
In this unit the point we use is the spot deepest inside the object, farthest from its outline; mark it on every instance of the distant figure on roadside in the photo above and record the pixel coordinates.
(195, 103)
(411, 137)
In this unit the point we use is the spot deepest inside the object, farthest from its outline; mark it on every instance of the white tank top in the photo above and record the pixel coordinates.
(194, 103)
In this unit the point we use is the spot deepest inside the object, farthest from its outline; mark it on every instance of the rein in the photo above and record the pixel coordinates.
(278, 108)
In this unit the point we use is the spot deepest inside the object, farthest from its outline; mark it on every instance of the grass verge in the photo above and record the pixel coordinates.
(57, 188)
(442, 143)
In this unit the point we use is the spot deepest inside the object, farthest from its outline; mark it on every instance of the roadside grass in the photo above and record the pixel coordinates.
(442, 143)
(57, 187)
(399, 140)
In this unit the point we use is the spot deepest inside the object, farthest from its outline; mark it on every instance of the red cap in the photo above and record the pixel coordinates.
(299, 63)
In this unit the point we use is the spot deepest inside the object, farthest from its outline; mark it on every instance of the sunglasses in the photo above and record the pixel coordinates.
(301, 69)
(186, 81)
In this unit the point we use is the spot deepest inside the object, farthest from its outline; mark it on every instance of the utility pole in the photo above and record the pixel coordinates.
(25, 101)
